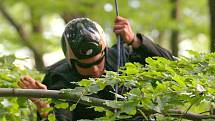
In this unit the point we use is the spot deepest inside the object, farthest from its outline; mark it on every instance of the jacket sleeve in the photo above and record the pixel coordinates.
(147, 49)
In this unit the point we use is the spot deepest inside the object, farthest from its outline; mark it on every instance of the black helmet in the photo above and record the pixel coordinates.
(82, 38)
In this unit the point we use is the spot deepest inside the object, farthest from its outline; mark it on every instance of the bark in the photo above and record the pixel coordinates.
(37, 30)
(212, 26)
(175, 33)
(41, 93)
(91, 101)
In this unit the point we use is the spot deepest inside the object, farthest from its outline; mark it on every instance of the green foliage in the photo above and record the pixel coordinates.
(15, 109)
(186, 84)
(51, 117)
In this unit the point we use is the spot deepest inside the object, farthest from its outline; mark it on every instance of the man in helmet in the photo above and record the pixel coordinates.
(87, 55)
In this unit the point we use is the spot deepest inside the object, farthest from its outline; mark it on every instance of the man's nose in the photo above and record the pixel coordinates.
(95, 68)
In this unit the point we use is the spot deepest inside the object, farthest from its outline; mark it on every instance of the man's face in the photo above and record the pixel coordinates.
(93, 67)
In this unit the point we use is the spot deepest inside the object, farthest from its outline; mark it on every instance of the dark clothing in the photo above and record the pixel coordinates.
(60, 75)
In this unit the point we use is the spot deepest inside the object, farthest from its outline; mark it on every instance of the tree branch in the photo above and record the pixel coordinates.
(91, 101)
(189, 115)
(40, 93)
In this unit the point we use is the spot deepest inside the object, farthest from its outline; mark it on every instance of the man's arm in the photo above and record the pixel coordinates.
(26, 82)
(141, 44)
(145, 47)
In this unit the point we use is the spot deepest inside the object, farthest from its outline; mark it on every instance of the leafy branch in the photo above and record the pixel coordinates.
(163, 88)
(90, 101)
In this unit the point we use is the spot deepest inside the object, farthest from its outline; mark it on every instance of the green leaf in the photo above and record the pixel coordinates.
(62, 105)
(47, 110)
(129, 107)
(94, 88)
(72, 107)
(51, 117)
(179, 80)
(131, 69)
(101, 84)
(22, 102)
(99, 109)
(85, 82)
(135, 94)
(135, 91)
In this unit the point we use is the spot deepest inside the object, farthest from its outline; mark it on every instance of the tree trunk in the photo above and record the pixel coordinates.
(175, 33)
(212, 24)
(37, 30)
(39, 64)
(25, 40)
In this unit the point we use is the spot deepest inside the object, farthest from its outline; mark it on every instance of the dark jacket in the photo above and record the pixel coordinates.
(60, 75)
